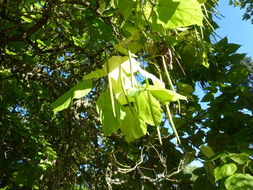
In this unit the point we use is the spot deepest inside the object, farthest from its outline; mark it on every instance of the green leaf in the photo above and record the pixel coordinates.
(125, 7)
(207, 151)
(228, 48)
(119, 47)
(236, 58)
(185, 88)
(224, 171)
(239, 158)
(27, 19)
(10, 52)
(239, 182)
(209, 168)
(202, 1)
(223, 42)
(110, 123)
(202, 183)
(165, 95)
(133, 44)
(237, 74)
(78, 91)
(174, 14)
(216, 156)
(96, 74)
(132, 92)
(120, 73)
(132, 127)
(232, 48)
(148, 108)
(5, 72)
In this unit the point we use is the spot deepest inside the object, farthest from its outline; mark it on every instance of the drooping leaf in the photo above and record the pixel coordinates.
(132, 43)
(203, 183)
(238, 74)
(239, 182)
(165, 95)
(224, 171)
(148, 108)
(128, 44)
(125, 7)
(110, 123)
(236, 58)
(132, 127)
(209, 168)
(174, 14)
(120, 73)
(96, 74)
(185, 88)
(207, 151)
(78, 91)
(132, 92)
(232, 48)
(239, 158)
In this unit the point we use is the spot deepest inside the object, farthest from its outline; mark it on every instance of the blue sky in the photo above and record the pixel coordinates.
(237, 30)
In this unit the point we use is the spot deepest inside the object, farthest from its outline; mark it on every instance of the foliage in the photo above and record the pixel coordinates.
(247, 5)
(105, 94)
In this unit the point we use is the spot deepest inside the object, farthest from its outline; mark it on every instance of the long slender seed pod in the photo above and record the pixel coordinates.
(153, 117)
(172, 124)
(131, 68)
(110, 88)
(167, 107)
(124, 90)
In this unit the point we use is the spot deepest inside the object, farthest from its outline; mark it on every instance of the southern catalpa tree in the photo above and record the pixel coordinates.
(105, 94)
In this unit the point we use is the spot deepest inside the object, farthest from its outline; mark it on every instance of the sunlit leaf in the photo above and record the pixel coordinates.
(120, 73)
(174, 14)
(239, 158)
(96, 74)
(224, 171)
(125, 7)
(78, 91)
(148, 108)
(132, 92)
(110, 123)
(165, 95)
(239, 182)
(132, 127)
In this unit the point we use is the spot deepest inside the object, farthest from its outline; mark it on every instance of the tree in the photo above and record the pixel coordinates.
(102, 95)
(247, 5)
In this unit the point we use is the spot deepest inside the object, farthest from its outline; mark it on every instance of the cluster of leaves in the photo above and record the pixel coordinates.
(74, 72)
(247, 61)
(247, 5)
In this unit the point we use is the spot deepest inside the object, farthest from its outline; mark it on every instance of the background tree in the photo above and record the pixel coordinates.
(247, 5)
(55, 52)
